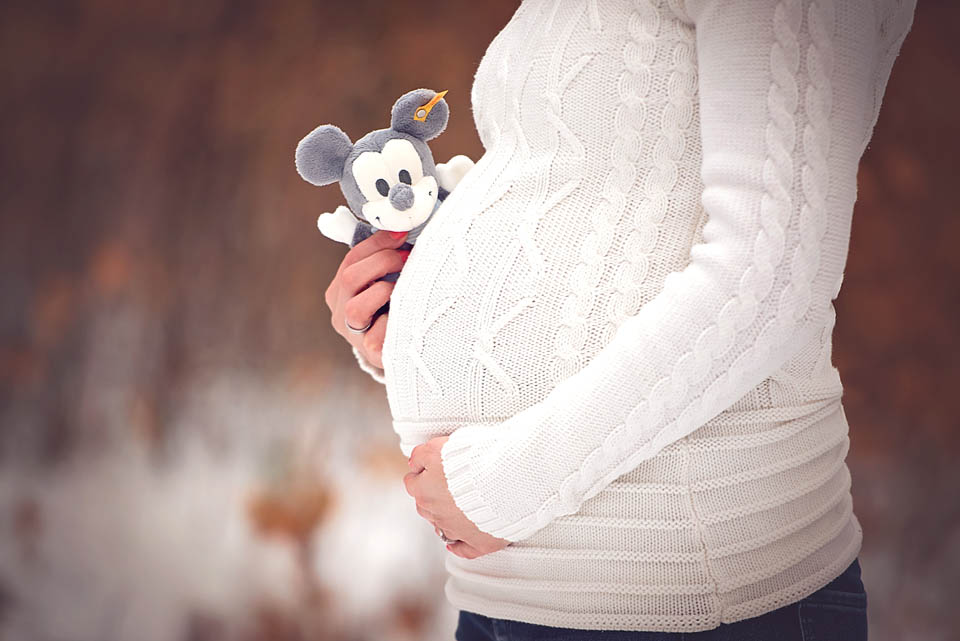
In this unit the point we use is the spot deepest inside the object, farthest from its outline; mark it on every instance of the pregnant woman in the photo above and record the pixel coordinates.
(609, 354)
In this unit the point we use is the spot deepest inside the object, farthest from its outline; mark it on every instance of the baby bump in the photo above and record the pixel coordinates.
(523, 274)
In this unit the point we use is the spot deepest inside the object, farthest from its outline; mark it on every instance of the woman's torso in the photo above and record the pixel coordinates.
(587, 196)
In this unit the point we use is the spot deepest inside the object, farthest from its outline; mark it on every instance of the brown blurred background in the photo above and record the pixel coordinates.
(188, 450)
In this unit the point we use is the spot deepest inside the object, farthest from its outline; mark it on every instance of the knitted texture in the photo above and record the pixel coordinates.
(622, 316)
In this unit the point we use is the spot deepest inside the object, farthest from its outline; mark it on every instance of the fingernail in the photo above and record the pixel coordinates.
(404, 254)
(397, 234)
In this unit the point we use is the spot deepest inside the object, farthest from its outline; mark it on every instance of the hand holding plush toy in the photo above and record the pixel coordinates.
(388, 177)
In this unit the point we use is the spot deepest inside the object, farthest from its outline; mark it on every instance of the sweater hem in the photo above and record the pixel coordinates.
(654, 622)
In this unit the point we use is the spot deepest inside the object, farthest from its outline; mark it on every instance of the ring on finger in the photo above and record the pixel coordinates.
(355, 330)
(445, 538)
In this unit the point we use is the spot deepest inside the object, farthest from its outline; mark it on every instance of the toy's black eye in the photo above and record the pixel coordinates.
(383, 187)
(405, 176)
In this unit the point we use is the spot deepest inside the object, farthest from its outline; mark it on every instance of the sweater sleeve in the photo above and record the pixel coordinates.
(375, 372)
(757, 289)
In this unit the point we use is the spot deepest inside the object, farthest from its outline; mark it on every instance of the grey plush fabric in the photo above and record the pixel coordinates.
(401, 196)
(401, 116)
(326, 155)
(321, 155)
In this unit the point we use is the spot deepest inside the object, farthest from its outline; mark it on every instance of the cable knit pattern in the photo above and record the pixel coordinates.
(633, 87)
(622, 316)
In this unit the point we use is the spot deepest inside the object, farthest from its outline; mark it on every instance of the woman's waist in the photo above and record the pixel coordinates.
(739, 432)
(627, 552)
(668, 517)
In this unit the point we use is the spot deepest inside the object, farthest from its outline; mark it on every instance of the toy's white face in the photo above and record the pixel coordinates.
(399, 197)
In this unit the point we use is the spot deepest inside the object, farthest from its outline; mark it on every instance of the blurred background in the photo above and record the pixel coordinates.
(188, 450)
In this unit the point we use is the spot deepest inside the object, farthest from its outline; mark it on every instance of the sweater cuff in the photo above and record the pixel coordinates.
(368, 367)
(460, 471)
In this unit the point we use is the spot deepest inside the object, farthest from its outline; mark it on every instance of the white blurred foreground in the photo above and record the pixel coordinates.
(266, 517)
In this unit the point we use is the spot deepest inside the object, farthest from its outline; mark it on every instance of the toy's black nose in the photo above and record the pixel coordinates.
(401, 196)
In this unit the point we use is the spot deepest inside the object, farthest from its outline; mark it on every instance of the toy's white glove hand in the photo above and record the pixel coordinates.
(451, 172)
(339, 225)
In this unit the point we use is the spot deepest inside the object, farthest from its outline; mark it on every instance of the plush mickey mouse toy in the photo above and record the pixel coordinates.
(388, 177)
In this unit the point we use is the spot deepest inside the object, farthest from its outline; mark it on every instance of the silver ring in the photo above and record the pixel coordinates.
(447, 540)
(354, 329)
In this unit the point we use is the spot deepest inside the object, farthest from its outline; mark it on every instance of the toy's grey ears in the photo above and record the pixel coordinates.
(322, 153)
(422, 113)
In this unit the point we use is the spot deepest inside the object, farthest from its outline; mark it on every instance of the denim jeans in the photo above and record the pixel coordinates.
(835, 612)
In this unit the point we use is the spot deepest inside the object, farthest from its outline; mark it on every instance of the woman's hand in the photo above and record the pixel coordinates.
(428, 485)
(352, 298)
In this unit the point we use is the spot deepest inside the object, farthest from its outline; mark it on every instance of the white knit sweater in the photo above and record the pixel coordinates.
(623, 314)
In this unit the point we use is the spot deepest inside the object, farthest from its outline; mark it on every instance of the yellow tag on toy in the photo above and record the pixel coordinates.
(424, 111)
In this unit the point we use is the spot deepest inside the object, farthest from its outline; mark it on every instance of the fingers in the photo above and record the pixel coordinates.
(418, 457)
(427, 514)
(359, 309)
(378, 241)
(358, 275)
(373, 341)
(409, 483)
(464, 550)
